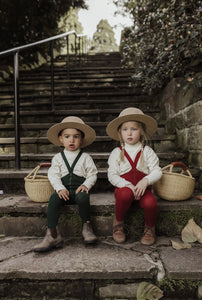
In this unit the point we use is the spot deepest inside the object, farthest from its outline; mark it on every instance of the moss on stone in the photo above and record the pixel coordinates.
(178, 287)
(169, 223)
(70, 223)
(135, 222)
(172, 222)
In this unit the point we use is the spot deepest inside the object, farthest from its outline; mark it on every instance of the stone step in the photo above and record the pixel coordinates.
(30, 160)
(88, 115)
(40, 82)
(82, 75)
(61, 68)
(79, 83)
(61, 89)
(40, 129)
(160, 143)
(95, 56)
(103, 268)
(94, 64)
(105, 271)
(21, 216)
(78, 97)
(45, 103)
(78, 75)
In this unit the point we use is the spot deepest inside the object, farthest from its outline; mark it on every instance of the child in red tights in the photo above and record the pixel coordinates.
(133, 168)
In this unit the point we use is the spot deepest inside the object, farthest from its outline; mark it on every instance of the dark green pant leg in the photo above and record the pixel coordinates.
(53, 212)
(83, 201)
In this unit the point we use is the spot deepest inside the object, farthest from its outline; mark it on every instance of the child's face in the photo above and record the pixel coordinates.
(130, 132)
(71, 139)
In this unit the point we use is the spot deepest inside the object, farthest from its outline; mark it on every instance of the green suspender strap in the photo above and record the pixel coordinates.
(72, 181)
(70, 169)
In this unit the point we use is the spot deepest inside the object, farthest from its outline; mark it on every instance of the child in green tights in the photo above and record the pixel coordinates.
(72, 174)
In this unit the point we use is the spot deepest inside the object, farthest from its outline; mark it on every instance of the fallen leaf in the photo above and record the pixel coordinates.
(179, 246)
(148, 291)
(192, 232)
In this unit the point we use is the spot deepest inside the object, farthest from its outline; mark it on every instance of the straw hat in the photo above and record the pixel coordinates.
(131, 114)
(71, 122)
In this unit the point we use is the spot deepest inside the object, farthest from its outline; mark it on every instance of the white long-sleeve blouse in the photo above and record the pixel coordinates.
(148, 164)
(84, 167)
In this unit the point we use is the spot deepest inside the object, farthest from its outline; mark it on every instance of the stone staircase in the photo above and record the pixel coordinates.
(96, 91)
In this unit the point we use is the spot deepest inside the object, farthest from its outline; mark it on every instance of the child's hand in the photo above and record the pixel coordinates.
(140, 188)
(132, 187)
(82, 188)
(63, 194)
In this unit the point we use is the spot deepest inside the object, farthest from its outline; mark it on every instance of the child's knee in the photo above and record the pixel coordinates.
(124, 194)
(54, 200)
(82, 197)
(149, 201)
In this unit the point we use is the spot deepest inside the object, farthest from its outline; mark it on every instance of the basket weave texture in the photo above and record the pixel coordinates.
(175, 186)
(38, 187)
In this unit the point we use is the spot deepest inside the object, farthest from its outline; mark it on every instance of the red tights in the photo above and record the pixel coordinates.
(124, 198)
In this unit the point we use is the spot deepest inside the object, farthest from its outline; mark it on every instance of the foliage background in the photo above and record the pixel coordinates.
(26, 21)
(165, 41)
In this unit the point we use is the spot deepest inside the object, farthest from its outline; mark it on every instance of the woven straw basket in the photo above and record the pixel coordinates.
(38, 187)
(175, 186)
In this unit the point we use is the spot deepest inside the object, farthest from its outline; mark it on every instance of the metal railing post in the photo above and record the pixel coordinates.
(52, 76)
(67, 39)
(17, 108)
(75, 49)
(82, 45)
(79, 46)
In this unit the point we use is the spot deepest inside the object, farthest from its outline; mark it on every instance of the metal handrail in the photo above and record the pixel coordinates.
(15, 51)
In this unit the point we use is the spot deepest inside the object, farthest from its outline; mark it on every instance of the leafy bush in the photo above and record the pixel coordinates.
(24, 21)
(165, 41)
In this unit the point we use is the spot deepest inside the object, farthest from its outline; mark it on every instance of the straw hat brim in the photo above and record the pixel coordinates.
(150, 123)
(89, 133)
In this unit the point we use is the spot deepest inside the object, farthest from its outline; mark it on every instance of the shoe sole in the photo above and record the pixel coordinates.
(147, 244)
(56, 246)
(90, 242)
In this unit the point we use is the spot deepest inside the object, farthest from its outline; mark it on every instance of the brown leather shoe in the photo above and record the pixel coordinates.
(148, 237)
(118, 232)
(49, 242)
(88, 235)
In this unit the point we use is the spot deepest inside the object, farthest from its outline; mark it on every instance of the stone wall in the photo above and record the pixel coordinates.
(181, 108)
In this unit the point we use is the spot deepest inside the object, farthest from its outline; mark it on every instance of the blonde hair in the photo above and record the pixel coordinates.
(143, 138)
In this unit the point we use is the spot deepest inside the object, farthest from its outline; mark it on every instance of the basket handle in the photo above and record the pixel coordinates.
(45, 164)
(35, 170)
(180, 164)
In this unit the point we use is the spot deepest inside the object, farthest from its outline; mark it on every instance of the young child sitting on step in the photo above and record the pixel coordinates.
(72, 174)
(133, 168)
